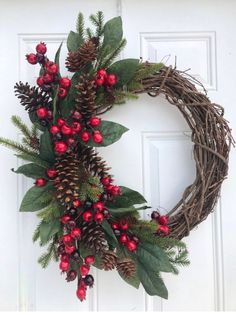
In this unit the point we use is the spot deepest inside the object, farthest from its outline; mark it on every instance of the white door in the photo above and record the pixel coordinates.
(154, 157)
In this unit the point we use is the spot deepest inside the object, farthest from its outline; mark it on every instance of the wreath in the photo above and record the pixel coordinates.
(85, 217)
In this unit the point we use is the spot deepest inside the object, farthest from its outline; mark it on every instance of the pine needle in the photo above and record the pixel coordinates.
(89, 33)
(19, 148)
(80, 25)
(98, 20)
(16, 120)
(51, 253)
(51, 212)
(107, 61)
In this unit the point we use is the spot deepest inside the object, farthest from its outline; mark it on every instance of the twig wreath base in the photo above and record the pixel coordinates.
(85, 218)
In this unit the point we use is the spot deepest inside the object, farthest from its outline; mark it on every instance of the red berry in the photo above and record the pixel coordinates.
(49, 114)
(98, 206)
(41, 48)
(106, 181)
(40, 182)
(42, 112)
(60, 122)
(65, 218)
(40, 81)
(85, 136)
(131, 245)
(70, 142)
(84, 270)
(89, 260)
(163, 229)
(60, 147)
(99, 81)
(97, 137)
(81, 293)
(64, 257)
(51, 67)
(123, 239)
(124, 225)
(76, 203)
(98, 217)
(76, 115)
(66, 239)
(115, 226)
(69, 249)
(102, 73)
(48, 78)
(51, 172)
(62, 93)
(64, 265)
(95, 121)
(111, 79)
(71, 275)
(163, 220)
(76, 126)
(87, 216)
(54, 130)
(31, 58)
(66, 130)
(75, 233)
(115, 190)
(65, 83)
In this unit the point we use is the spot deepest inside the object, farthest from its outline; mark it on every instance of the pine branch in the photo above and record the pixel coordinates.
(89, 33)
(98, 21)
(33, 158)
(178, 258)
(36, 233)
(19, 148)
(80, 25)
(34, 131)
(16, 120)
(51, 212)
(51, 253)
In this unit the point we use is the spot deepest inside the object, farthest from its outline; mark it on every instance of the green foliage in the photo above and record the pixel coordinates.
(70, 100)
(46, 147)
(16, 120)
(73, 41)
(47, 230)
(90, 189)
(107, 58)
(36, 233)
(57, 58)
(122, 96)
(110, 236)
(51, 253)
(125, 70)
(111, 132)
(113, 32)
(98, 21)
(33, 158)
(31, 170)
(51, 212)
(37, 198)
(18, 147)
(128, 198)
(178, 258)
(80, 26)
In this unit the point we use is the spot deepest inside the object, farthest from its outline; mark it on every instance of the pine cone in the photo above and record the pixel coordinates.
(109, 260)
(93, 237)
(85, 101)
(78, 59)
(67, 180)
(31, 97)
(126, 267)
(92, 161)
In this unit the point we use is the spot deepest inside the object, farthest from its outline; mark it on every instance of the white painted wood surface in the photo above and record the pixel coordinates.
(156, 154)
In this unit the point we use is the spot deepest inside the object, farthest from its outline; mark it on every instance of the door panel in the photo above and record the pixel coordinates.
(154, 157)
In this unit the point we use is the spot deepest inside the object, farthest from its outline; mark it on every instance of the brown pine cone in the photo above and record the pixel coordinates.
(31, 97)
(85, 100)
(78, 59)
(126, 267)
(67, 180)
(93, 237)
(109, 260)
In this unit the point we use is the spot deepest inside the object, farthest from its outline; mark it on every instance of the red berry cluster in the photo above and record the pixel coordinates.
(104, 79)
(95, 212)
(111, 190)
(50, 173)
(120, 230)
(39, 57)
(162, 223)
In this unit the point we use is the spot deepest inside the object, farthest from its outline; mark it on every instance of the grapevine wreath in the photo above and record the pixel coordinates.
(85, 217)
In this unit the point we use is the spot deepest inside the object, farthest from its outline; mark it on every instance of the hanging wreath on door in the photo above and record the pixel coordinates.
(85, 217)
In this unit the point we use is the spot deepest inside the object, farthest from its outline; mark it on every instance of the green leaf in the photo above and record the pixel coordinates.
(35, 159)
(37, 198)
(152, 282)
(74, 41)
(57, 56)
(153, 257)
(109, 233)
(47, 230)
(113, 32)
(120, 212)
(128, 198)
(125, 70)
(31, 170)
(46, 148)
(69, 103)
(134, 281)
(111, 132)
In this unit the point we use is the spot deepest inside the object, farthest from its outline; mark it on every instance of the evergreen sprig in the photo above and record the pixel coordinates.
(18, 147)
(50, 254)
(80, 25)
(98, 20)
(52, 211)
(107, 59)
